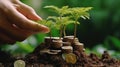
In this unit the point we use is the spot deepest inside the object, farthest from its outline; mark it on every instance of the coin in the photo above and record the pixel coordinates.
(70, 58)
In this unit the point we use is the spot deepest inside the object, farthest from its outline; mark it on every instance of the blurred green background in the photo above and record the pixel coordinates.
(101, 32)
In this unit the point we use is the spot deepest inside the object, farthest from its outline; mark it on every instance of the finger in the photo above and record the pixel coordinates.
(21, 21)
(26, 10)
(12, 31)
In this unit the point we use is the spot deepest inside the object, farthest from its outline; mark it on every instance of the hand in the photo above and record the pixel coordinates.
(16, 22)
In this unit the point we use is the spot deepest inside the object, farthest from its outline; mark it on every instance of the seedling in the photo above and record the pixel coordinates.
(61, 23)
(68, 15)
(65, 17)
(77, 13)
(60, 19)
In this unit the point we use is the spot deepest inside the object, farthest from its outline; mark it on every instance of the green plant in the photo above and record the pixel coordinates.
(79, 12)
(66, 16)
(59, 20)
(61, 23)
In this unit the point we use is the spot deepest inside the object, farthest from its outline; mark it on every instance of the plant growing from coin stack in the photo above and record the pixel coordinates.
(64, 45)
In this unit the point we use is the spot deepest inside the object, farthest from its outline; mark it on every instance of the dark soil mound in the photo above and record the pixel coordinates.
(65, 52)
(83, 60)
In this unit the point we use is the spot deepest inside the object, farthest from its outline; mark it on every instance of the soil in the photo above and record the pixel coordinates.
(41, 57)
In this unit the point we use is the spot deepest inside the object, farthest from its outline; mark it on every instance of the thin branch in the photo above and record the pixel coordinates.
(64, 28)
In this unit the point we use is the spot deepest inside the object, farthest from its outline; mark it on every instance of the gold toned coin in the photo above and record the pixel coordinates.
(70, 58)
(19, 63)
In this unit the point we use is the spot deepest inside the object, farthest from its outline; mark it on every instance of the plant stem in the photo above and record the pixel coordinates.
(75, 29)
(60, 27)
(64, 28)
(61, 32)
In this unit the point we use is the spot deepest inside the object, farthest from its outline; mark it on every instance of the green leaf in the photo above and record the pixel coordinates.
(84, 9)
(63, 10)
(58, 26)
(112, 43)
(54, 8)
(60, 11)
(43, 22)
(85, 15)
(80, 12)
(54, 18)
(48, 23)
(26, 47)
(115, 41)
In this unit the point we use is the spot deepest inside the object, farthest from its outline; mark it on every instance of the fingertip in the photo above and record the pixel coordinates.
(34, 16)
(44, 29)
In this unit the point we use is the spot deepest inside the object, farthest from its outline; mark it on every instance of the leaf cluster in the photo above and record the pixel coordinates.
(48, 23)
(79, 12)
(66, 16)
(76, 13)
(60, 21)
(60, 11)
